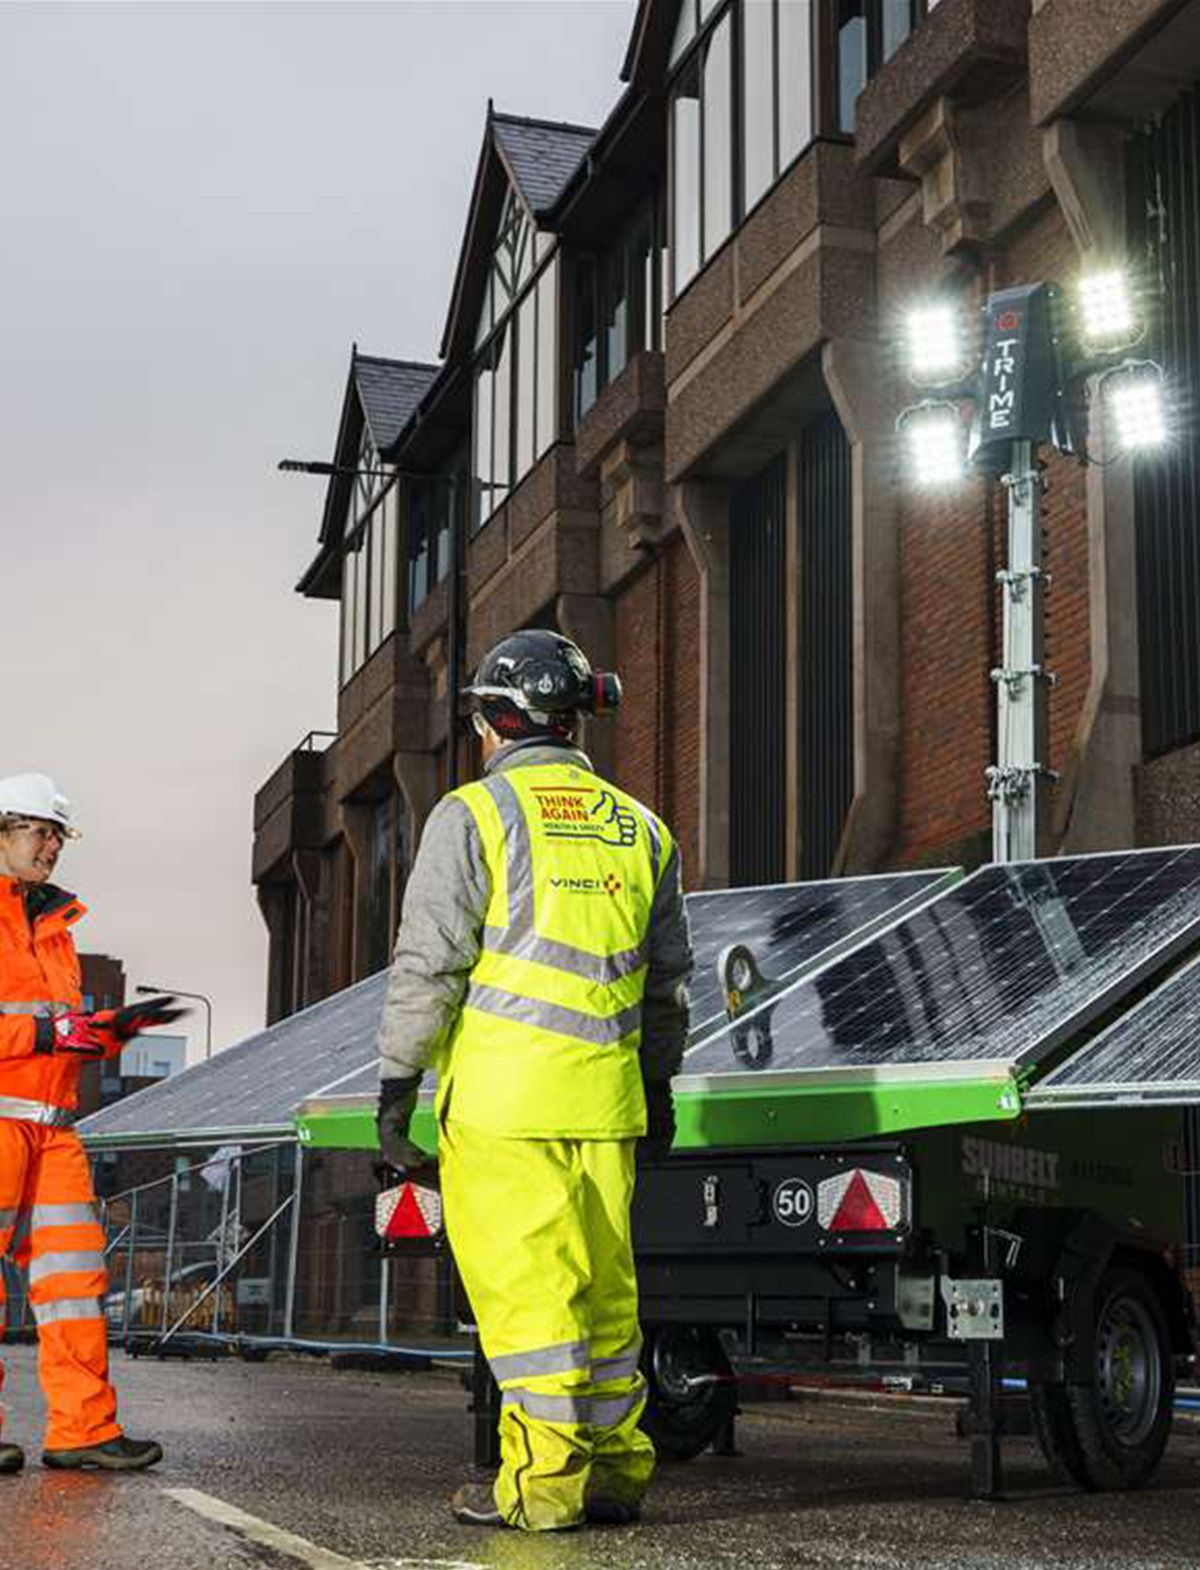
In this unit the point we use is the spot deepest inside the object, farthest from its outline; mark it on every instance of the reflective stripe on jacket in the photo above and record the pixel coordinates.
(39, 976)
(546, 1040)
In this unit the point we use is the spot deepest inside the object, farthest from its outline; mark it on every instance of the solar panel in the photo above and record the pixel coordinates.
(999, 969)
(1150, 1055)
(253, 1088)
(789, 927)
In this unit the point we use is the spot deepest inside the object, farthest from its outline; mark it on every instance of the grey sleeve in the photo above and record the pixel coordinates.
(445, 902)
(669, 968)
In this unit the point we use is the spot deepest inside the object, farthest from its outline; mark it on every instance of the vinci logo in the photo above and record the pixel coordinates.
(585, 813)
(609, 885)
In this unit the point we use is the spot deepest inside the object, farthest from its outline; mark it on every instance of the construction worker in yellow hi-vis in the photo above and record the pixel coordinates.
(541, 967)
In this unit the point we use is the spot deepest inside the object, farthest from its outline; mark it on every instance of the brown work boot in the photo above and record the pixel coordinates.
(115, 1455)
(12, 1458)
(474, 1504)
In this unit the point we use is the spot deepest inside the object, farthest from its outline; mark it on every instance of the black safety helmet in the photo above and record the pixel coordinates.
(536, 683)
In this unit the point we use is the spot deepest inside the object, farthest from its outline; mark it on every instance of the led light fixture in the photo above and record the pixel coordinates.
(1107, 315)
(935, 437)
(934, 335)
(1133, 397)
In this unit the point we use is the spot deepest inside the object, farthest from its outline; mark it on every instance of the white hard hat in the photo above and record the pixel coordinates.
(35, 796)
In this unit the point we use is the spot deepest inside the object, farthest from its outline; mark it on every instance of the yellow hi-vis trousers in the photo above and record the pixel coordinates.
(540, 1233)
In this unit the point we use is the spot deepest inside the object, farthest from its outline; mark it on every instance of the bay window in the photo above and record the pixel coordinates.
(369, 561)
(616, 308)
(743, 102)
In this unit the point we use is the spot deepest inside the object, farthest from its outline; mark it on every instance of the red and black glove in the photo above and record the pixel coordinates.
(77, 1035)
(103, 1033)
(136, 1017)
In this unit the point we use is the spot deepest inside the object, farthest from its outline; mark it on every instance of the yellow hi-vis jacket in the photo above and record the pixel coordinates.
(551, 1021)
(543, 930)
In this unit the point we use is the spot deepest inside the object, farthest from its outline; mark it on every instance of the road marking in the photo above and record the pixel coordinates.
(311, 1554)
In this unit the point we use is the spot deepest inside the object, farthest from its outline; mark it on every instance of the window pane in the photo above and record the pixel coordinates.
(616, 314)
(526, 373)
(418, 548)
(758, 96)
(795, 78)
(897, 24)
(586, 377)
(685, 166)
(718, 139)
(375, 610)
(852, 58)
(360, 603)
(389, 518)
(685, 29)
(483, 444)
(547, 376)
(443, 510)
(347, 617)
(641, 289)
(502, 425)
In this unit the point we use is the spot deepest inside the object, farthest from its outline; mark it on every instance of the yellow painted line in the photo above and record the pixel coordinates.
(298, 1548)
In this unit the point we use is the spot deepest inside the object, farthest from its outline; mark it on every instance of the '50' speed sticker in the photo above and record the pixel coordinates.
(792, 1202)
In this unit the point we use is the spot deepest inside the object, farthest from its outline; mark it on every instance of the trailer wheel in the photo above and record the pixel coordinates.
(1054, 1429)
(1122, 1417)
(690, 1394)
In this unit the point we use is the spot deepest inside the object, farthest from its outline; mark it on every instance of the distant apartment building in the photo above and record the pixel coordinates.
(663, 422)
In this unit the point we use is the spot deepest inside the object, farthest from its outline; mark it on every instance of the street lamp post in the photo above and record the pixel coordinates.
(178, 992)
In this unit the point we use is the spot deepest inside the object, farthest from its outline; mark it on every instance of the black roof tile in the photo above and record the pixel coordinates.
(542, 155)
(390, 390)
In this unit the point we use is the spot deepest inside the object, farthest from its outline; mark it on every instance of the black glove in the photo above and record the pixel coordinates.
(660, 1122)
(397, 1101)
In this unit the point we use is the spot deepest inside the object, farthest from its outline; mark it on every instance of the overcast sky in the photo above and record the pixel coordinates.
(203, 206)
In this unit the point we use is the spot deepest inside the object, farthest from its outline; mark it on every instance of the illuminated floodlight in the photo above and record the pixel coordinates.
(934, 337)
(1133, 396)
(1107, 314)
(936, 440)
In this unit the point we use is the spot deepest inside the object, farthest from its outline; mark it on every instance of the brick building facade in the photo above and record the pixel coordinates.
(663, 422)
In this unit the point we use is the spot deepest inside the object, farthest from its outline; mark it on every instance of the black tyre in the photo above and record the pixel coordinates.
(1122, 1416)
(1054, 1429)
(690, 1391)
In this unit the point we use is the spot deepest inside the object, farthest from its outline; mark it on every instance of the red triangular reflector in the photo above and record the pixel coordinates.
(858, 1211)
(409, 1210)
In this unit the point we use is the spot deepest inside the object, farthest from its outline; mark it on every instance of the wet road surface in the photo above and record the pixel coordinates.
(288, 1463)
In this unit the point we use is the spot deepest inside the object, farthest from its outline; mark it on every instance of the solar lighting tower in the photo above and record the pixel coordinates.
(1029, 386)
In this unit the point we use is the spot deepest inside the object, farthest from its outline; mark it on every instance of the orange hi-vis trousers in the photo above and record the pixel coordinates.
(48, 1224)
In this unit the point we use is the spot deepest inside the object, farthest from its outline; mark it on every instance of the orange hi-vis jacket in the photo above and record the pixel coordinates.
(39, 978)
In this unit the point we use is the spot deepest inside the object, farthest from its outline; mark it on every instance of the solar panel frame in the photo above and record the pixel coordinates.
(808, 1076)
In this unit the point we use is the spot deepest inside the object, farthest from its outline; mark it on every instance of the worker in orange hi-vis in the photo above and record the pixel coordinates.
(48, 1220)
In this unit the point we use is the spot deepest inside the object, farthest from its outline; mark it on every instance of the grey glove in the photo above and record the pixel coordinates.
(660, 1122)
(397, 1101)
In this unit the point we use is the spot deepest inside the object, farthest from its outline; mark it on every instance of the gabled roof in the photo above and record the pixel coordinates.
(536, 157)
(540, 155)
(389, 391)
(385, 394)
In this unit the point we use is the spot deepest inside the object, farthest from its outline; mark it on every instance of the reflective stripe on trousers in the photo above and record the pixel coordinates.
(39, 1009)
(602, 1411)
(564, 1359)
